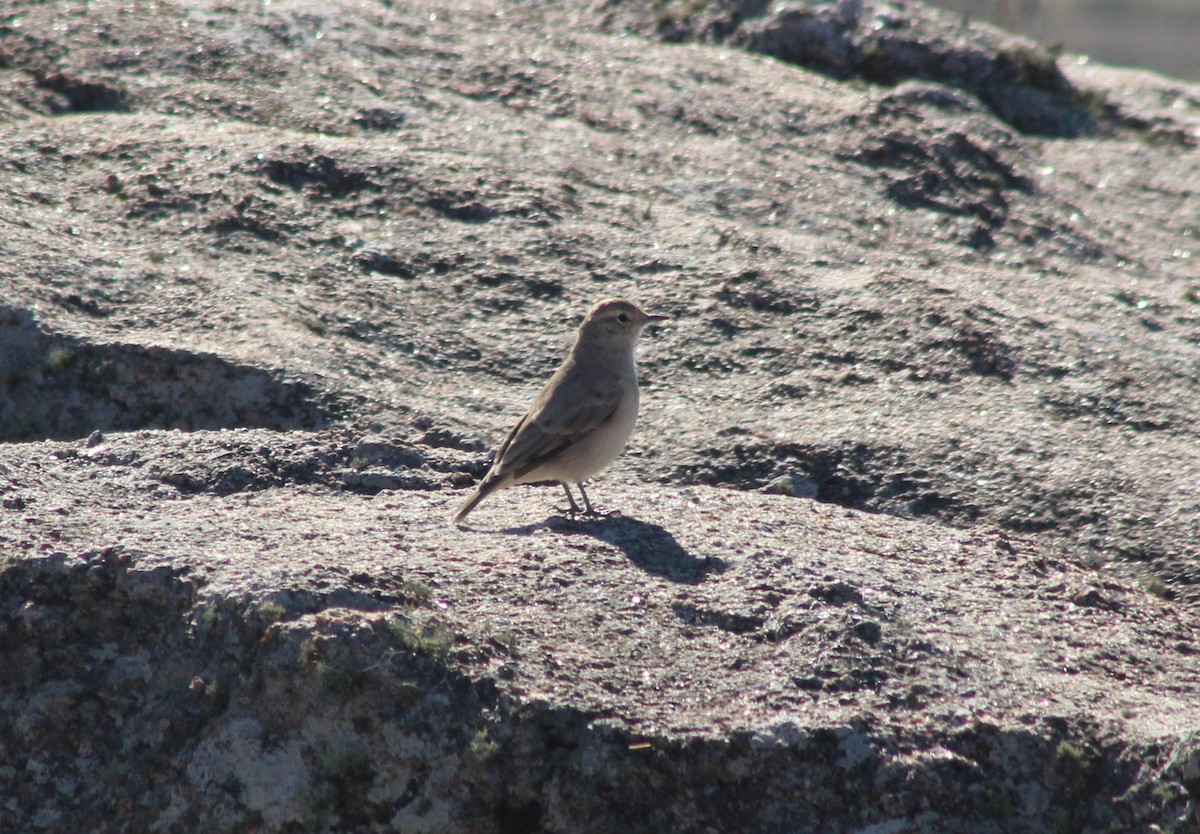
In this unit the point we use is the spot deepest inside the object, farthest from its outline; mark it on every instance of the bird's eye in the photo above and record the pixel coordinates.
(624, 317)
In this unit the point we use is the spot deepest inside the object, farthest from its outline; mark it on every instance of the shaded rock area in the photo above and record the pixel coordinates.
(292, 655)
(886, 43)
(61, 386)
(908, 535)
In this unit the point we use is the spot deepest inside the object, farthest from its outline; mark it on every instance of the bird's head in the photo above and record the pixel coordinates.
(616, 321)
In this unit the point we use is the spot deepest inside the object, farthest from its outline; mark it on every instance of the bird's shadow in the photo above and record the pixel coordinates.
(649, 546)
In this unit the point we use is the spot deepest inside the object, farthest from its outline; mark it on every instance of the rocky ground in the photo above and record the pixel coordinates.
(908, 535)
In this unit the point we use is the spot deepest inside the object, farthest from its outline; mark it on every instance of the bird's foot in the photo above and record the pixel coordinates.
(591, 512)
(588, 511)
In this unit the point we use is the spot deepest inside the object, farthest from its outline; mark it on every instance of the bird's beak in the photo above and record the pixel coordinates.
(653, 319)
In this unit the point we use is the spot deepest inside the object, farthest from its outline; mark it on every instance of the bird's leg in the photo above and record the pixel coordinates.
(574, 511)
(590, 511)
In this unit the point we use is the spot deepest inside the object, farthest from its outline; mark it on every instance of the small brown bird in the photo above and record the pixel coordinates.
(584, 416)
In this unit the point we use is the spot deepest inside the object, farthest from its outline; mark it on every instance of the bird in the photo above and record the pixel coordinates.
(583, 417)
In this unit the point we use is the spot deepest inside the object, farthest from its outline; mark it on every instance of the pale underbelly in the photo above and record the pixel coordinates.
(591, 454)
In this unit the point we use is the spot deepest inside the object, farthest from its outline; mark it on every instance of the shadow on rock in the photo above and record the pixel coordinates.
(649, 546)
(63, 387)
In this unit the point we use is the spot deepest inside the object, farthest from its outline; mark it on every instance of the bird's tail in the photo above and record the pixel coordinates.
(485, 488)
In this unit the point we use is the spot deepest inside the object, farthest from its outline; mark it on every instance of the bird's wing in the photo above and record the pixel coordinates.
(559, 417)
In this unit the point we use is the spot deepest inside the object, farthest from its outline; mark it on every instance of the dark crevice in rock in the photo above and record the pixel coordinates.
(73, 94)
(859, 476)
(318, 175)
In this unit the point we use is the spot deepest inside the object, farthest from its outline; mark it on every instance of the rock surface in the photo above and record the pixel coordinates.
(275, 277)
